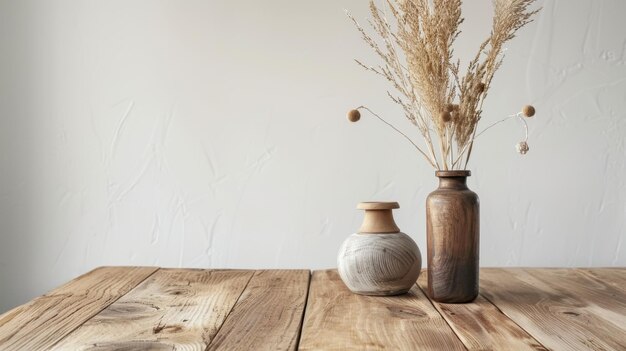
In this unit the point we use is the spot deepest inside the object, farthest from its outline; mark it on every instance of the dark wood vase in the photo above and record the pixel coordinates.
(452, 230)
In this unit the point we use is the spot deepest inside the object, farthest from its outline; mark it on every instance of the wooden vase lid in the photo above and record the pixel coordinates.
(377, 205)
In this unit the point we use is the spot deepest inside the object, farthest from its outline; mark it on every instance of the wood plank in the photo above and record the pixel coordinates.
(47, 319)
(268, 314)
(336, 319)
(481, 326)
(615, 277)
(178, 309)
(12, 313)
(561, 308)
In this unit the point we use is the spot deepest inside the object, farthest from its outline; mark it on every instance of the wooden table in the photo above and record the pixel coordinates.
(146, 308)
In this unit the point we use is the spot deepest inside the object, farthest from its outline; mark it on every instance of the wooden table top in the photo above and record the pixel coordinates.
(147, 308)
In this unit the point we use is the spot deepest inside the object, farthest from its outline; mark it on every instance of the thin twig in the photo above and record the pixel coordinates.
(498, 122)
(397, 130)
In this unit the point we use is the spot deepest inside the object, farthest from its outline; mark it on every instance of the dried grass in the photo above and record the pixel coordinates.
(417, 59)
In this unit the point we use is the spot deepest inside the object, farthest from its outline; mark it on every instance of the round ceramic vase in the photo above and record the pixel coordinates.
(379, 259)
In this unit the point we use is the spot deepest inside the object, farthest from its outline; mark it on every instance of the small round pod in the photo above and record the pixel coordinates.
(528, 111)
(354, 115)
(522, 147)
(445, 116)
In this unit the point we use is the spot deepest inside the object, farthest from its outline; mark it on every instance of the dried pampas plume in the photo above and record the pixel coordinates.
(416, 50)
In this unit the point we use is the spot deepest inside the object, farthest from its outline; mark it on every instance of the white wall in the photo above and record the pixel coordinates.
(212, 134)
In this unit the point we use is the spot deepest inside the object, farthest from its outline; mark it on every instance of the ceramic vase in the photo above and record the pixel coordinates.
(452, 233)
(379, 259)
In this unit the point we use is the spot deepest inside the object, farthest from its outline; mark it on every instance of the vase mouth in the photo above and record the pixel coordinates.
(450, 174)
(377, 205)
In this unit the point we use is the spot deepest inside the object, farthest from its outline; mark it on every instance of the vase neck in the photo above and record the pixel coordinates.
(456, 180)
(458, 183)
(378, 218)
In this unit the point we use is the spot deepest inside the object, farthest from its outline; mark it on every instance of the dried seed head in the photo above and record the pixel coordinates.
(522, 147)
(480, 87)
(354, 115)
(456, 115)
(528, 111)
(449, 108)
(445, 116)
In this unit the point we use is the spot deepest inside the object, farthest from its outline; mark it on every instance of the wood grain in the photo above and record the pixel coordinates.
(481, 326)
(379, 264)
(561, 308)
(47, 319)
(268, 315)
(452, 233)
(178, 309)
(337, 319)
(7, 316)
(615, 277)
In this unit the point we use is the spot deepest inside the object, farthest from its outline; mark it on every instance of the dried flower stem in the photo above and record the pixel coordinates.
(401, 133)
(518, 115)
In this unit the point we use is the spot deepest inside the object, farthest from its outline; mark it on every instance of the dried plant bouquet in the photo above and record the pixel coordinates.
(416, 49)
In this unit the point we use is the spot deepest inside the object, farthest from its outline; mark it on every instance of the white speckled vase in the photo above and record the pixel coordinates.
(379, 259)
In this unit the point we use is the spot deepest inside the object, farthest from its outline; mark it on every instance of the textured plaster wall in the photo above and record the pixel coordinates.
(212, 134)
